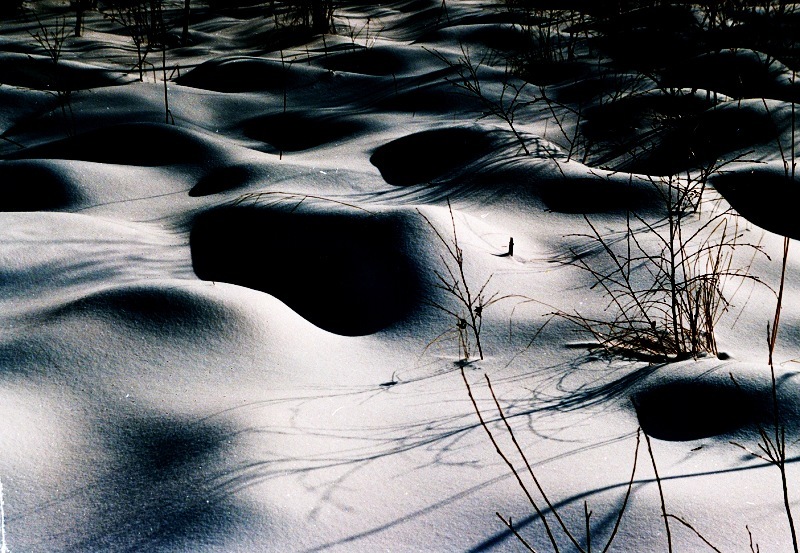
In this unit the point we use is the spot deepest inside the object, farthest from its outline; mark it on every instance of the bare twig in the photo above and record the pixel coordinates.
(660, 493)
(696, 532)
(551, 508)
(510, 526)
(453, 280)
(508, 463)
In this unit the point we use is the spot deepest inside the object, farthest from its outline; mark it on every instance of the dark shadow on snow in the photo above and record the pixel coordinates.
(347, 273)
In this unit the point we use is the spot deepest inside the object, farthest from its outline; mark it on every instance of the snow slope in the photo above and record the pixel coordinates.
(218, 330)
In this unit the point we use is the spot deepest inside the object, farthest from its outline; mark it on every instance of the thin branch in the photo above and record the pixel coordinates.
(660, 493)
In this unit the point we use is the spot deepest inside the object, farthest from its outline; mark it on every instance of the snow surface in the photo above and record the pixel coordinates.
(218, 335)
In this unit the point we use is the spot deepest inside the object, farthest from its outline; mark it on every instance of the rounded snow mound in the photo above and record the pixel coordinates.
(244, 74)
(155, 310)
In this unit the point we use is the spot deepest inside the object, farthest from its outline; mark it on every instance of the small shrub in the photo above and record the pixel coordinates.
(143, 21)
(51, 39)
(469, 305)
(666, 282)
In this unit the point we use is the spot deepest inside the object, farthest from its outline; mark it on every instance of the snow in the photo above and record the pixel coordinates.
(220, 334)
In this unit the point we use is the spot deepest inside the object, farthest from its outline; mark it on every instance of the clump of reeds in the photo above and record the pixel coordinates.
(666, 284)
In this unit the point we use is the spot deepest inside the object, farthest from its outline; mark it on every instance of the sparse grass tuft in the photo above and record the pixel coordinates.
(470, 305)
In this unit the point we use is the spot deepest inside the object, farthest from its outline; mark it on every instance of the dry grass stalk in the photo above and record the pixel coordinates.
(660, 493)
(471, 304)
(772, 444)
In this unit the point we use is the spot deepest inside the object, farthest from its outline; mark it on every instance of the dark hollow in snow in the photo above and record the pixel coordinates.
(694, 141)
(648, 38)
(366, 61)
(292, 131)
(31, 186)
(632, 123)
(346, 273)
(241, 74)
(143, 144)
(765, 198)
(499, 37)
(692, 409)
(42, 74)
(428, 155)
(736, 73)
(599, 195)
(222, 179)
(159, 464)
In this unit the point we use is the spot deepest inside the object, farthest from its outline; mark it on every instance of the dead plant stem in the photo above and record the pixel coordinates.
(660, 493)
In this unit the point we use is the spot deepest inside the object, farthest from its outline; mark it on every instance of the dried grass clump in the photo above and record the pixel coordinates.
(666, 280)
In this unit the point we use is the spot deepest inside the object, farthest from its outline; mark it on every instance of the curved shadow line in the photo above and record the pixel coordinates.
(505, 534)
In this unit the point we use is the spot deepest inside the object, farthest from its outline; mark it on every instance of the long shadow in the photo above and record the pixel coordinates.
(519, 524)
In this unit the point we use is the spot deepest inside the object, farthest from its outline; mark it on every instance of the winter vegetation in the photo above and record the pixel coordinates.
(418, 275)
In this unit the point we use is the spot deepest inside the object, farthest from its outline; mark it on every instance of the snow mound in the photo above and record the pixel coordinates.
(144, 144)
(149, 309)
(243, 74)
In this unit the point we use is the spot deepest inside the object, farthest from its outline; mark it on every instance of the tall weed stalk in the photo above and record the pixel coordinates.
(547, 512)
(774, 447)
